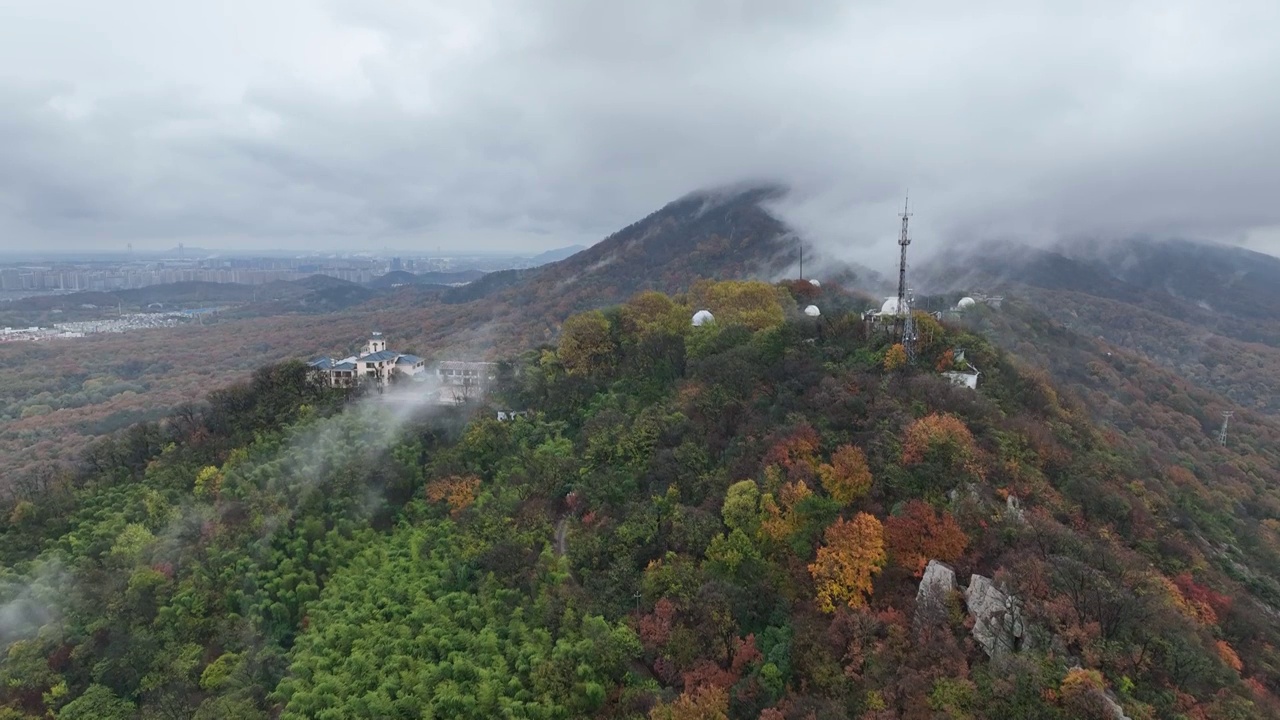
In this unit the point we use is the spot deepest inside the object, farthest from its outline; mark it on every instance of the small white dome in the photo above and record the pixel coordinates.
(966, 302)
(812, 311)
(890, 307)
(815, 283)
(703, 317)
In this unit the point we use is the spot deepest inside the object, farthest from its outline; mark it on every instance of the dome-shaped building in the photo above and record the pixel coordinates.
(812, 311)
(890, 307)
(815, 283)
(966, 302)
(703, 317)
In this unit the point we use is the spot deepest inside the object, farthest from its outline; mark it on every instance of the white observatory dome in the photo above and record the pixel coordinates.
(890, 307)
(966, 302)
(812, 311)
(815, 283)
(703, 317)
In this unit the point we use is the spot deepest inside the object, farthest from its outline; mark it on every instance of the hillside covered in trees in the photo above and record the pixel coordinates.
(726, 521)
(59, 396)
(1207, 312)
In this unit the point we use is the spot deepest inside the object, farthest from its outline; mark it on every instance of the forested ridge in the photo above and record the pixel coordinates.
(727, 521)
(59, 396)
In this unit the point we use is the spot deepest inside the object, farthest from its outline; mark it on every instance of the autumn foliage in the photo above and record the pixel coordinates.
(920, 534)
(1229, 656)
(703, 703)
(458, 492)
(847, 477)
(796, 449)
(585, 345)
(895, 357)
(756, 305)
(782, 517)
(945, 434)
(851, 555)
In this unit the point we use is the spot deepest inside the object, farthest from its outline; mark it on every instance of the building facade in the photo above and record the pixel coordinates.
(375, 364)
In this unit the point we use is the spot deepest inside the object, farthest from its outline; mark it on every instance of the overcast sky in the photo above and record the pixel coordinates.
(510, 124)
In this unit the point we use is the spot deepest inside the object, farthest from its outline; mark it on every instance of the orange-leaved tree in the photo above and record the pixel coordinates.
(919, 535)
(944, 438)
(782, 518)
(1229, 656)
(851, 555)
(847, 477)
(458, 492)
(895, 357)
(795, 454)
(704, 703)
(947, 361)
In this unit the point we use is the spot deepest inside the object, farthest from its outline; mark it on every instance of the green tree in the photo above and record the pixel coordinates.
(741, 509)
(97, 703)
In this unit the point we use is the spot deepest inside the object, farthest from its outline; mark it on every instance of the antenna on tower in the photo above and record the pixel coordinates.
(1222, 434)
(906, 324)
(801, 244)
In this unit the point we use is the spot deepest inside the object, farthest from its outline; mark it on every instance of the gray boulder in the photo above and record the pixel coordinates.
(936, 586)
(997, 617)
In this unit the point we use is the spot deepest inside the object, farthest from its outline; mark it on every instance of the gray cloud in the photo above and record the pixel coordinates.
(504, 124)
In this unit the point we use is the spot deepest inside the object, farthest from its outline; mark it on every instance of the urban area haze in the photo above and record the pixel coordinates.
(341, 126)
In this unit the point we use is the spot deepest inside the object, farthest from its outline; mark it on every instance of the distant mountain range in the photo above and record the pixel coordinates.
(1209, 312)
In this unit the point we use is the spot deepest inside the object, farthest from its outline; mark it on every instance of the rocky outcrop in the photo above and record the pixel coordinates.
(997, 617)
(936, 586)
(1013, 509)
(1117, 712)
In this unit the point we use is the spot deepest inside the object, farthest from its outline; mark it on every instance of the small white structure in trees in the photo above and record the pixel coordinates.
(812, 311)
(815, 283)
(965, 303)
(703, 317)
(963, 379)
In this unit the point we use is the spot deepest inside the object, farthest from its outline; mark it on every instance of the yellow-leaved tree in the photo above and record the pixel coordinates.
(208, 483)
(585, 344)
(756, 305)
(895, 357)
(457, 492)
(851, 555)
(652, 312)
(782, 517)
(847, 477)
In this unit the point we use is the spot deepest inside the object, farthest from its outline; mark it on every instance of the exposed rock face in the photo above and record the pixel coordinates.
(939, 581)
(1117, 712)
(1013, 508)
(997, 617)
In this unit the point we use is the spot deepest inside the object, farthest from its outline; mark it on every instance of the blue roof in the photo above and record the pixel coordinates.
(380, 356)
(410, 359)
(322, 363)
(344, 366)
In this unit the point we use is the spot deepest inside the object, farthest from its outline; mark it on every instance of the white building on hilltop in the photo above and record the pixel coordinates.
(462, 380)
(374, 364)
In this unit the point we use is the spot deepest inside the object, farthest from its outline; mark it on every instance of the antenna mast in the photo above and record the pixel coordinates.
(1222, 434)
(907, 325)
